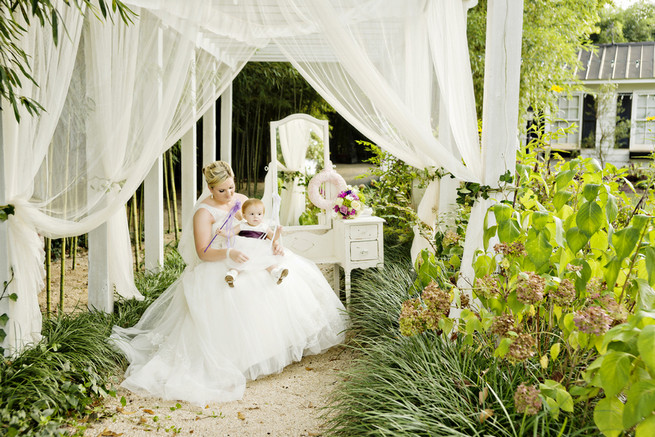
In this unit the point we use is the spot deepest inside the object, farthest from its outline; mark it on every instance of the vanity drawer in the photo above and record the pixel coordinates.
(363, 250)
(363, 232)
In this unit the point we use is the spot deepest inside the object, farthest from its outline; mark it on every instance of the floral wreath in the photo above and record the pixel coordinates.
(316, 193)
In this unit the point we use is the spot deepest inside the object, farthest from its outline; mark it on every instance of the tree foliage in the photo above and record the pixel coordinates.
(633, 24)
(15, 18)
(553, 33)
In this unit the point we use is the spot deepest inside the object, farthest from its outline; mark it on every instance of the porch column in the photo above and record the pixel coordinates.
(188, 157)
(226, 125)
(208, 137)
(501, 88)
(4, 249)
(154, 216)
(101, 295)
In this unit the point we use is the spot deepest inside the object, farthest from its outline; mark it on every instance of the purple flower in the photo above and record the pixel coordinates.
(352, 212)
(342, 194)
(344, 209)
(336, 208)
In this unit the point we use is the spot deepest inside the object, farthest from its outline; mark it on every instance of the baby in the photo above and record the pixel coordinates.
(255, 228)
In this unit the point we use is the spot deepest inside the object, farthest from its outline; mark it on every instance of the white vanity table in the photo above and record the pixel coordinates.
(349, 243)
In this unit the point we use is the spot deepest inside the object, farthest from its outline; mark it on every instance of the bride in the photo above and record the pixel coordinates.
(201, 340)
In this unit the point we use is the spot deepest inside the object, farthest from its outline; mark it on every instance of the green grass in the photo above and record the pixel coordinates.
(67, 373)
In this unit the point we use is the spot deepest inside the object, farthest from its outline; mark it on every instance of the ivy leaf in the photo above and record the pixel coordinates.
(590, 191)
(614, 372)
(590, 218)
(576, 239)
(625, 241)
(608, 416)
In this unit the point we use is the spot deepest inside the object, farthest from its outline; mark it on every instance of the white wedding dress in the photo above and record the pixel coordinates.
(201, 340)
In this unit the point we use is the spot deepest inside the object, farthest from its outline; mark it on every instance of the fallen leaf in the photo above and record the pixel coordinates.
(142, 419)
(309, 368)
(485, 414)
(482, 396)
(108, 433)
(310, 405)
(241, 416)
(311, 434)
(146, 410)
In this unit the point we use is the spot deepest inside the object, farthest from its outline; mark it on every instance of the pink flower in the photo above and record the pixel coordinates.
(344, 209)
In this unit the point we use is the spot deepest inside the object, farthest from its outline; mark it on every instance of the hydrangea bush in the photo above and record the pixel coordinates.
(563, 292)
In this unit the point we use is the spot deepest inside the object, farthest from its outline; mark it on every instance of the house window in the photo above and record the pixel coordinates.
(569, 116)
(643, 127)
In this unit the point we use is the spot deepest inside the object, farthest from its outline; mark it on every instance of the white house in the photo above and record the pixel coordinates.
(620, 91)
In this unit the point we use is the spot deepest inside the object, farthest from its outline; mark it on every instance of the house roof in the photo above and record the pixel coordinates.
(624, 61)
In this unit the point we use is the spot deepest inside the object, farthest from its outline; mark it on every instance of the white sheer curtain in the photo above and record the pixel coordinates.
(133, 91)
(294, 141)
(25, 148)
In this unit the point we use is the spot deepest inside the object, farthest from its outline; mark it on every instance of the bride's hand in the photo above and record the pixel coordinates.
(237, 256)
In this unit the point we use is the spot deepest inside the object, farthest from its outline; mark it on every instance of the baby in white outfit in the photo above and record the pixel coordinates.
(254, 228)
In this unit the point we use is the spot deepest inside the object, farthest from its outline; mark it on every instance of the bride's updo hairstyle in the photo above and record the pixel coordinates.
(217, 172)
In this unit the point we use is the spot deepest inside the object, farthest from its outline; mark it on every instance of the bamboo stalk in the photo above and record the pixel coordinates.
(48, 297)
(172, 179)
(142, 220)
(135, 218)
(62, 275)
(167, 194)
(73, 251)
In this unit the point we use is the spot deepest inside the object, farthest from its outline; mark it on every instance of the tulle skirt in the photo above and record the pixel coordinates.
(202, 340)
(259, 252)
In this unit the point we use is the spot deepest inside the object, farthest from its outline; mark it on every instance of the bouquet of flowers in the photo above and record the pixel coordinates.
(349, 203)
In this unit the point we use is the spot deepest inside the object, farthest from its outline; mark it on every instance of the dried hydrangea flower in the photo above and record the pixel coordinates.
(530, 290)
(450, 238)
(595, 286)
(503, 324)
(487, 286)
(464, 301)
(527, 400)
(617, 312)
(564, 295)
(522, 348)
(411, 318)
(516, 248)
(436, 299)
(592, 320)
(572, 268)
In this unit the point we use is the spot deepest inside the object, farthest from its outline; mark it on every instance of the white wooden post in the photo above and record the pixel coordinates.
(101, 294)
(154, 217)
(226, 125)
(4, 248)
(188, 152)
(501, 88)
(209, 137)
(154, 200)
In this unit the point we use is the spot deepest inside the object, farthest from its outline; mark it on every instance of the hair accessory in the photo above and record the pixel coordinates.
(228, 221)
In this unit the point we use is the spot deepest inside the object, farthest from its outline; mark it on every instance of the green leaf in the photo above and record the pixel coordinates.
(488, 233)
(639, 221)
(614, 372)
(4, 318)
(625, 241)
(590, 191)
(612, 272)
(649, 254)
(539, 220)
(646, 428)
(646, 298)
(554, 350)
(576, 239)
(508, 231)
(640, 403)
(646, 345)
(608, 416)
(538, 248)
(589, 218)
(611, 208)
(561, 198)
(563, 178)
(502, 212)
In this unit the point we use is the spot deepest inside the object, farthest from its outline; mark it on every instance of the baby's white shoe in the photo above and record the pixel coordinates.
(230, 277)
(279, 273)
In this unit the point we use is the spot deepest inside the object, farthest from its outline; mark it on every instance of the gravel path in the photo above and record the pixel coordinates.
(285, 404)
